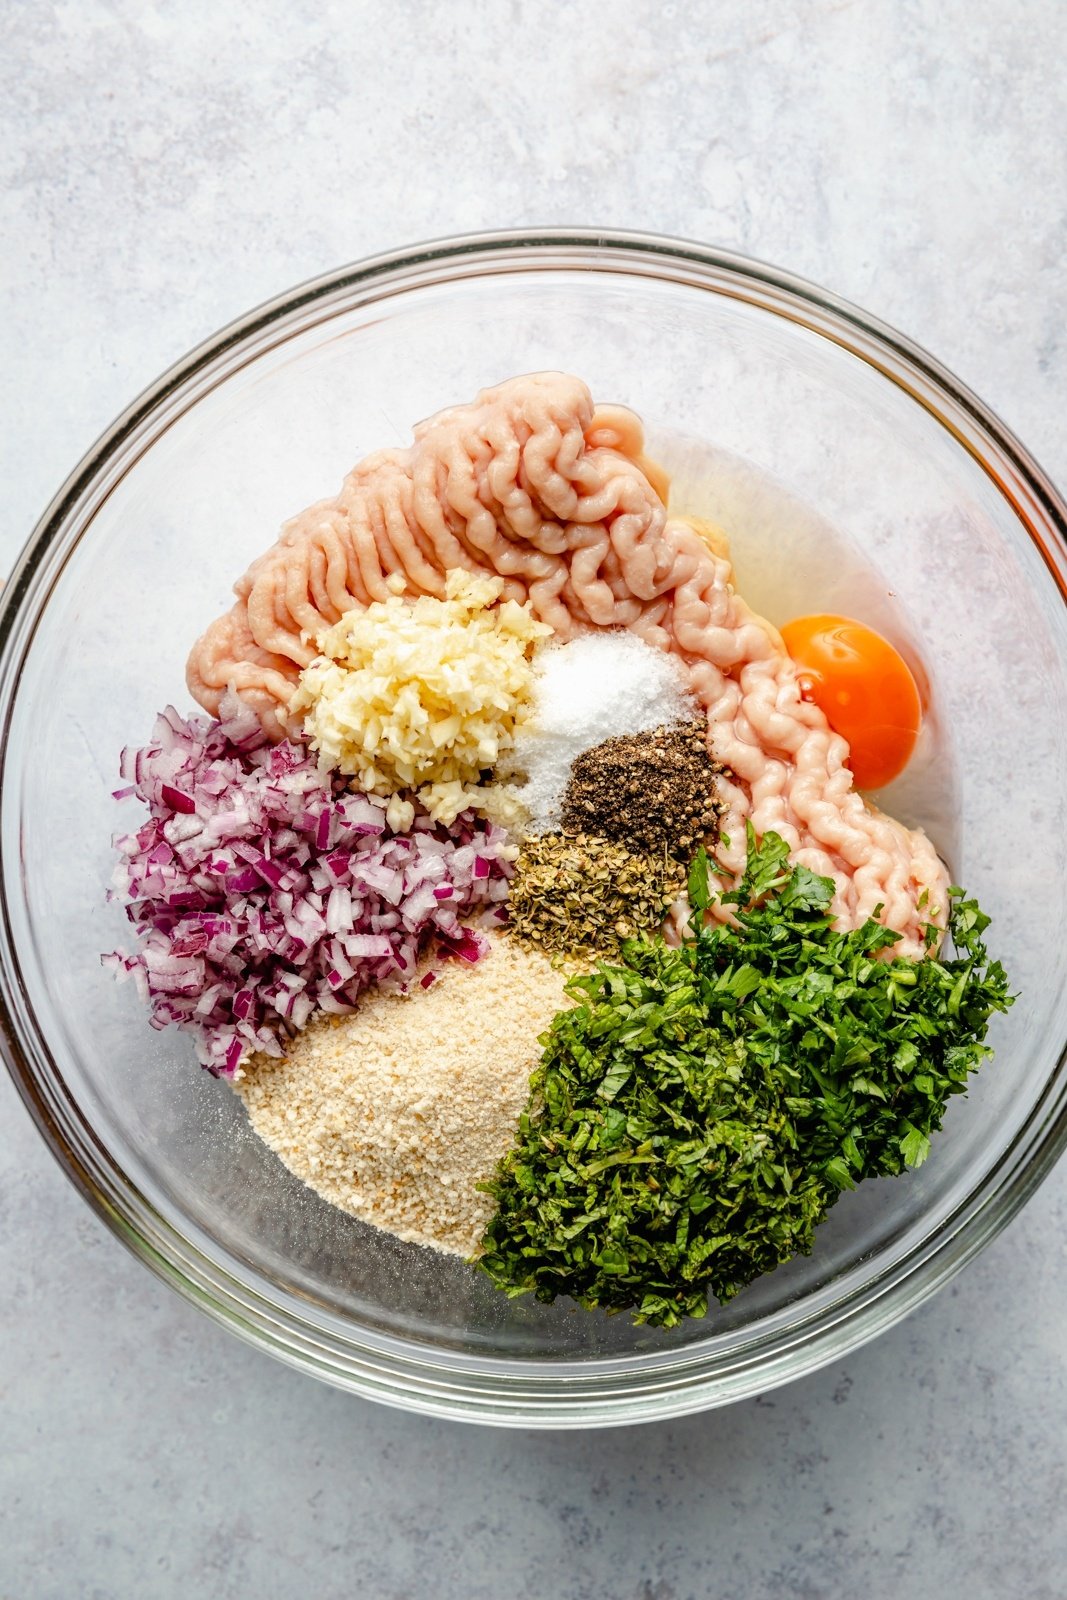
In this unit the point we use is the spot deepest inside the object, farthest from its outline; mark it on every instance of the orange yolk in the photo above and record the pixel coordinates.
(865, 690)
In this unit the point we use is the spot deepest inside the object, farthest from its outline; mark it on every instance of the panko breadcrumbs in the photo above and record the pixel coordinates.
(397, 1112)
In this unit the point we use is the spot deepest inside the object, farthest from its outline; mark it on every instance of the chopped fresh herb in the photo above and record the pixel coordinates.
(699, 1109)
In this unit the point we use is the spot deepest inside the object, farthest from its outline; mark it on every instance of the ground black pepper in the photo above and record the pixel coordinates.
(648, 791)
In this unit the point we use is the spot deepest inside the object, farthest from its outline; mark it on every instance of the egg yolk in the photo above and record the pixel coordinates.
(865, 690)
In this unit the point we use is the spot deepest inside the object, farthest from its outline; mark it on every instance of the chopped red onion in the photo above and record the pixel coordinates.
(176, 800)
(263, 890)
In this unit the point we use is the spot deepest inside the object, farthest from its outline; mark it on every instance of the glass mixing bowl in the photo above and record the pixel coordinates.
(837, 454)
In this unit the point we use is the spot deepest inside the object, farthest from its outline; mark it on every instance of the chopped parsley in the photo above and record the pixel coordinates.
(699, 1109)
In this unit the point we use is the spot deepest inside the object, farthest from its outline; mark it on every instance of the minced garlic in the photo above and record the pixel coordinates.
(422, 695)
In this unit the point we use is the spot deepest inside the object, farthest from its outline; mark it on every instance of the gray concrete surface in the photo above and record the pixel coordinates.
(164, 168)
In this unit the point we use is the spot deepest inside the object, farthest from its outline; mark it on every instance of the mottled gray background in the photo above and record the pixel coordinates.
(167, 166)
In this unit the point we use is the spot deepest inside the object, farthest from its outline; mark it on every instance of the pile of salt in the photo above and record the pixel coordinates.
(587, 690)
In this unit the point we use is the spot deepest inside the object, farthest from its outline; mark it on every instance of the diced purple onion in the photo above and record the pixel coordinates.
(263, 890)
(176, 800)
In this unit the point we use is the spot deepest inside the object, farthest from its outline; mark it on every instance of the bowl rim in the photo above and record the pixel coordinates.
(601, 1392)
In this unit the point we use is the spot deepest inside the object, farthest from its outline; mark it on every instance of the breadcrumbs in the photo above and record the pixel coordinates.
(397, 1112)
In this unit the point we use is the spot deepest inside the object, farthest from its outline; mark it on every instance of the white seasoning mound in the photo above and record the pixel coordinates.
(589, 689)
(397, 1112)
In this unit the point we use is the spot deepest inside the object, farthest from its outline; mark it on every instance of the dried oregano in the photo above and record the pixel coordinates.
(575, 894)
